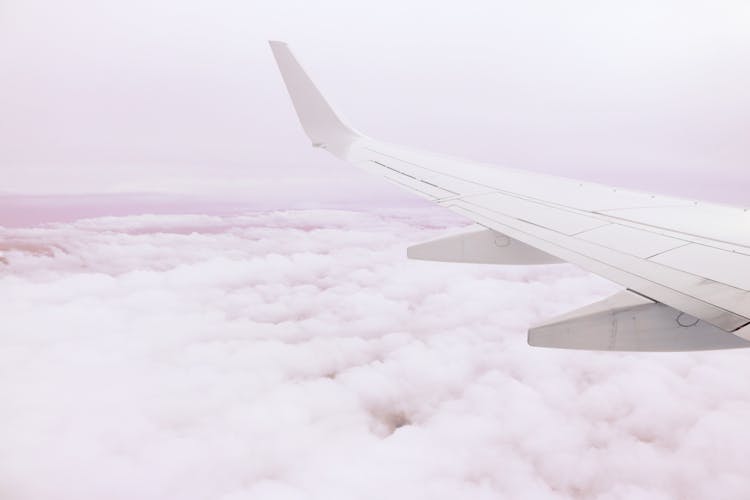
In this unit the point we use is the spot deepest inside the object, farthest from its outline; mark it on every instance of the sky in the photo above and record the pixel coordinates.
(184, 98)
(198, 305)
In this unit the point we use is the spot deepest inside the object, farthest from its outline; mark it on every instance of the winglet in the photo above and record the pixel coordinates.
(320, 122)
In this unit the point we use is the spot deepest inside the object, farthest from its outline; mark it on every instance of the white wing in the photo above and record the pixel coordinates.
(685, 265)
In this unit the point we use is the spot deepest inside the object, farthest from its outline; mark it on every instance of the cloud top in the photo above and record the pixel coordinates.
(300, 355)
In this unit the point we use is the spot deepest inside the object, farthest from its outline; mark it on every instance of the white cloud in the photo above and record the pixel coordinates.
(301, 355)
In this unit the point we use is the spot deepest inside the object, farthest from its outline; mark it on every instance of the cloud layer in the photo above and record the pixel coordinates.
(300, 355)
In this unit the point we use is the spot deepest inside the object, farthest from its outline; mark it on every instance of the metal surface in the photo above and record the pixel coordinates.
(479, 245)
(692, 257)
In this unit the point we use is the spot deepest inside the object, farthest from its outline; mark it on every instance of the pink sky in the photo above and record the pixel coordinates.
(184, 98)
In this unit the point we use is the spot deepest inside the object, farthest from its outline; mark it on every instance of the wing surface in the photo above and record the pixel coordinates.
(693, 257)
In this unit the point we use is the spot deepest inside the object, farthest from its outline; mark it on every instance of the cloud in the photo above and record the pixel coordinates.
(300, 355)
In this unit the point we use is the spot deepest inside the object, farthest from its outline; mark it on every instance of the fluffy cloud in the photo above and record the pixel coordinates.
(301, 355)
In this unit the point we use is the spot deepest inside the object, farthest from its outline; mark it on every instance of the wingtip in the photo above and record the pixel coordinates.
(321, 123)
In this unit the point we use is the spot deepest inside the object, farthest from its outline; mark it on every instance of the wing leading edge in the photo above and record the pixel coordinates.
(685, 259)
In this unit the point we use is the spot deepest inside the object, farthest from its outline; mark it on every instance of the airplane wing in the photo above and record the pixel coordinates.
(685, 265)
